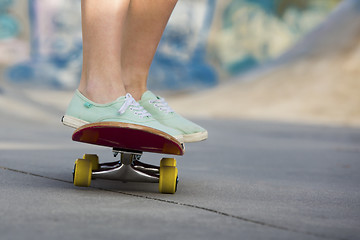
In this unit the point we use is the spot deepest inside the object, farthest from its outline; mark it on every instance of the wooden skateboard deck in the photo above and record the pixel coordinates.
(128, 137)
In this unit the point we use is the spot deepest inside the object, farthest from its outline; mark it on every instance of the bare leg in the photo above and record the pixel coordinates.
(102, 27)
(120, 38)
(145, 24)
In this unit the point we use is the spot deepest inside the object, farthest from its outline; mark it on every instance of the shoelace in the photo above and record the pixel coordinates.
(162, 105)
(134, 106)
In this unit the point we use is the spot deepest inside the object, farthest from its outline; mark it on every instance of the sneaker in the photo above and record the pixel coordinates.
(125, 109)
(162, 112)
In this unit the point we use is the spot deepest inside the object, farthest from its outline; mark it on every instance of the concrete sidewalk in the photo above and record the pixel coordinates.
(249, 180)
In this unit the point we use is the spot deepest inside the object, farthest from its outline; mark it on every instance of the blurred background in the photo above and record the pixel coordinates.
(288, 60)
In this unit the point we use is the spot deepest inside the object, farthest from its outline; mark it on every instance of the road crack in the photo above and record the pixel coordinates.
(262, 223)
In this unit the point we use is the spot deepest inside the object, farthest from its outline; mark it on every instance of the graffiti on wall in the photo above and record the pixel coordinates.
(181, 59)
(248, 33)
(55, 45)
(14, 46)
(40, 41)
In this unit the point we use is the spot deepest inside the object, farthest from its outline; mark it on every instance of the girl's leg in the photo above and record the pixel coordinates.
(120, 38)
(102, 28)
(101, 81)
(144, 26)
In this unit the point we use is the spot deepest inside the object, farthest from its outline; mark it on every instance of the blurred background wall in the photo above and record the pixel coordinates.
(206, 42)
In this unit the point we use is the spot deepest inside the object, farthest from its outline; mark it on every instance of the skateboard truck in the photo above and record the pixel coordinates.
(134, 140)
(127, 169)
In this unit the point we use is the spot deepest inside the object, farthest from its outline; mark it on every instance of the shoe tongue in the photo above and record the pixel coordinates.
(148, 95)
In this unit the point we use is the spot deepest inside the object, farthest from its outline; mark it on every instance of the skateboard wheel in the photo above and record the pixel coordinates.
(168, 179)
(168, 162)
(82, 173)
(94, 159)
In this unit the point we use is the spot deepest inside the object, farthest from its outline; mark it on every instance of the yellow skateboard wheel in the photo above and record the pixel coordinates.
(168, 179)
(94, 159)
(82, 173)
(168, 162)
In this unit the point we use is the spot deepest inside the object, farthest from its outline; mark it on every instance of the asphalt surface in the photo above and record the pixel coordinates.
(249, 180)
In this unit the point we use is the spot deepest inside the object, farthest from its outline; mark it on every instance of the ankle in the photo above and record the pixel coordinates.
(101, 86)
(135, 82)
(136, 92)
(102, 94)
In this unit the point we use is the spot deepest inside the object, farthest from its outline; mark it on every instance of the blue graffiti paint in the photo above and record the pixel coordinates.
(25, 72)
(258, 31)
(170, 71)
(34, 41)
(57, 61)
(5, 4)
(181, 61)
(8, 26)
(21, 73)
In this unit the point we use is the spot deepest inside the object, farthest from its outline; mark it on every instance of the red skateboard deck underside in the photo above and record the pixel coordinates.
(128, 137)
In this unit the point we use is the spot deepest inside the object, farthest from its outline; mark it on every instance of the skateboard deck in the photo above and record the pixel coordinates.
(128, 137)
(130, 140)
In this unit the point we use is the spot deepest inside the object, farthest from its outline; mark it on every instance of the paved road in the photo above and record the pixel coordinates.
(249, 180)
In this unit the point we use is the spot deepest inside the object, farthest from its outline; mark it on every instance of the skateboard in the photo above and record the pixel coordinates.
(129, 141)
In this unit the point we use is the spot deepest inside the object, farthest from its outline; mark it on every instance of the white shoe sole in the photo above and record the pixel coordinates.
(195, 137)
(73, 122)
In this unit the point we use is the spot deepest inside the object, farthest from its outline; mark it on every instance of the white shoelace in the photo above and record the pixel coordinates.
(134, 106)
(162, 105)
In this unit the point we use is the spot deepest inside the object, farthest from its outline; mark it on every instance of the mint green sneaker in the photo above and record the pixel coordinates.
(125, 109)
(162, 112)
